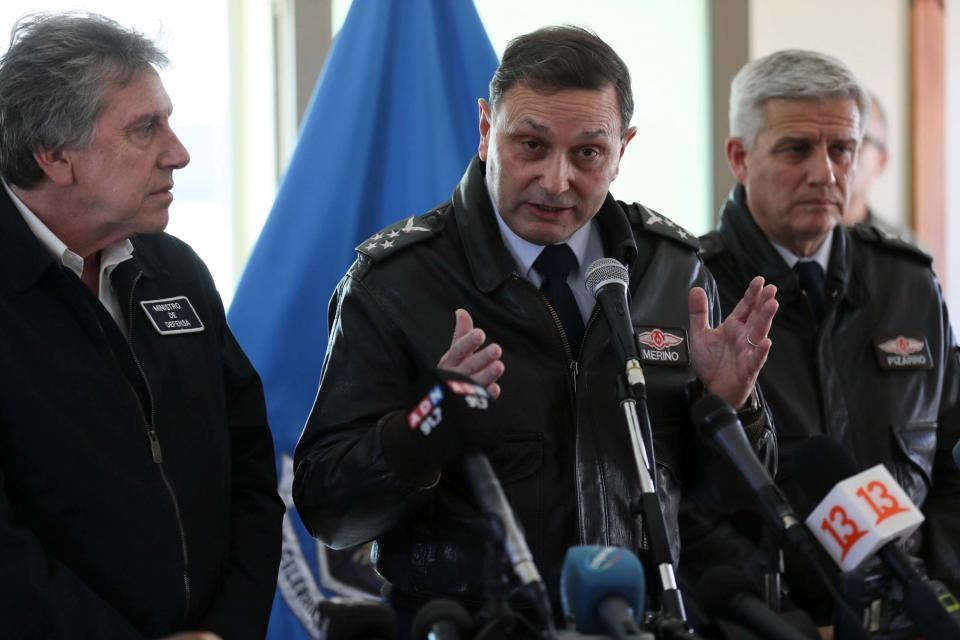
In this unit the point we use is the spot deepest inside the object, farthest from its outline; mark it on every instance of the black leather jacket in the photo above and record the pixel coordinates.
(830, 381)
(391, 319)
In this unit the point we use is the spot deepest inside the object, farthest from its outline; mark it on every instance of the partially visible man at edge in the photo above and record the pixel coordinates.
(509, 253)
(872, 163)
(851, 301)
(137, 480)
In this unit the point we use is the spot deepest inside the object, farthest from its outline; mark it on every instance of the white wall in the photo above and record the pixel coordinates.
(873, 37)
(952, 9)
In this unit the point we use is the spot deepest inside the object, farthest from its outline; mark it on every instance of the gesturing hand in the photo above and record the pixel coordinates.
(484, 366)
(728, 359)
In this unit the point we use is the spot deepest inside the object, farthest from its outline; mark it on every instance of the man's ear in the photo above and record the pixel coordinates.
(486, 122)
(56, 165)
(631, 132)
(737, 158)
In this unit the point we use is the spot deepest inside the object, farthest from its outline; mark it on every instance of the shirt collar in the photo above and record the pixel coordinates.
(821, 256)
(110, 256)
(525, 253)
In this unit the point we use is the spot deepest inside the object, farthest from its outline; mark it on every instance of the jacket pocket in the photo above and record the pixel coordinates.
(519, 456)
(917, 441)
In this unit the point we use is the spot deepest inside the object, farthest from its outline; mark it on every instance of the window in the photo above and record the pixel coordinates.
(221, 59)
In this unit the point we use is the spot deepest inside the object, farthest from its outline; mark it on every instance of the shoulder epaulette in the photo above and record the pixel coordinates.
(890, 240)
(400, 235)
(661, 225)
(711, 245)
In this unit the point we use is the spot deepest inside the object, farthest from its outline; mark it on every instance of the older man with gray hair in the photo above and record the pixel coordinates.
(850, 299)
(137, 482)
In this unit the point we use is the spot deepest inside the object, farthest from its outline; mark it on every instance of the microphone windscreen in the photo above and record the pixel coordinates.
(602, 271)
(351, 619)
(440, 610)
(818, 465)
(956, 453)
(591, 574)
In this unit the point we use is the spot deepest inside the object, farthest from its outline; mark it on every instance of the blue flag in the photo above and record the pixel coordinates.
(390, 129)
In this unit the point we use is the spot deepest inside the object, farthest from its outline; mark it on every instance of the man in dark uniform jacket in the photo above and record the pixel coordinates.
(508, 253)
(137, 481)
(854, 302)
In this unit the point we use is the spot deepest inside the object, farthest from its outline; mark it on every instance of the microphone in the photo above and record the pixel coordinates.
(956, 453)
(351, 619)
(865, 515)
(726, 593)
(603, 589)
(486, 487)
(441, 619)
(719, 425)
(606, 280)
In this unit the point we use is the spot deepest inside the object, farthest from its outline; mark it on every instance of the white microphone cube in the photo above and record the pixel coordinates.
(861, 514)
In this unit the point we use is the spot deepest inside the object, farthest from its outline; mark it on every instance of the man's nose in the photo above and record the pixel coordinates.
(175, 155)
(557, 174)
(821, 170)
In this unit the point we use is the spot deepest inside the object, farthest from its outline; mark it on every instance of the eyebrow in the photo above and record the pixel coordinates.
(590, 134)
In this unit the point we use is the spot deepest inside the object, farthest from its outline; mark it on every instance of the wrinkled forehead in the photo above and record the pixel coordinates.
(591, 113)
(136, 95)
(833, 118)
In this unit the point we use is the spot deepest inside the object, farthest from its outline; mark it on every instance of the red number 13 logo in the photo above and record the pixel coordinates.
(889, 505)
(851, 533)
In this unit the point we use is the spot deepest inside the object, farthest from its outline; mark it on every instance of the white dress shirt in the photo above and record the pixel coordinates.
(586, 244)
(821, 256)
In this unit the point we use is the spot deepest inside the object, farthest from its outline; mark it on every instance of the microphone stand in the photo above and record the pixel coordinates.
(631, 389)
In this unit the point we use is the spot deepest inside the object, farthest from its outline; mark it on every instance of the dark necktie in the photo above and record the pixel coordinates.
(811, 278)
(554, 264)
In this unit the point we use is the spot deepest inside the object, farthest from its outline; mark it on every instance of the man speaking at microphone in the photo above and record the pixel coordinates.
(490, 285)
(862, 347)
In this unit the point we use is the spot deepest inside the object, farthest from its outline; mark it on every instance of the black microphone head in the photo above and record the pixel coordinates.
(354, 619)
(956, 453)
(440, 610)
(818, 465)
(719, 586)
(709, 413)
(603, 271)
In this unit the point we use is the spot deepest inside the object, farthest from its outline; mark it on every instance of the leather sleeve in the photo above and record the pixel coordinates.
(343, 488)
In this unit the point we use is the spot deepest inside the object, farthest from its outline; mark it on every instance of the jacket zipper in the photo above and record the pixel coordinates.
(157, 452)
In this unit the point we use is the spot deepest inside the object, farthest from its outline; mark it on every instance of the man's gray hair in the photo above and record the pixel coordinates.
(791, 74)
(53, 80)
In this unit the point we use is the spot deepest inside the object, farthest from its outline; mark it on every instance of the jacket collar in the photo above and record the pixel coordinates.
(756, 256)
(490, 262)
(23, 259)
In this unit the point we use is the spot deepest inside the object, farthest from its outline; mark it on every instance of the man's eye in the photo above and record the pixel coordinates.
(843, 151)
(146, 129)
(531, 145)
(589, 152)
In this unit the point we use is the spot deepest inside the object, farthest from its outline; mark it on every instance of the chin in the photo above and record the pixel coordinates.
(154, 224)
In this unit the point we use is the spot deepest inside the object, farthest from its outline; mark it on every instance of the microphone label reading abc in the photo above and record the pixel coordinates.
(428, 414)
(861, 514)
